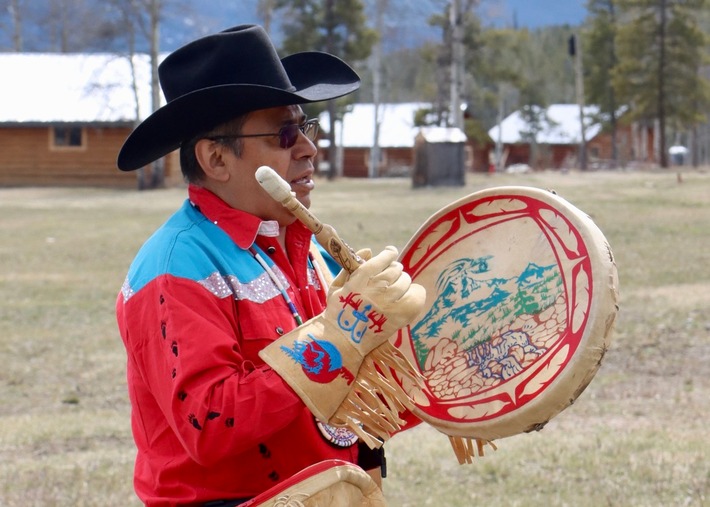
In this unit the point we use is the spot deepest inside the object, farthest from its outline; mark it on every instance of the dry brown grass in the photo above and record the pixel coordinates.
(637, 436)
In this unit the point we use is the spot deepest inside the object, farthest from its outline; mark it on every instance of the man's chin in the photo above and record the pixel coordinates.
(306, 201)
(286, 219)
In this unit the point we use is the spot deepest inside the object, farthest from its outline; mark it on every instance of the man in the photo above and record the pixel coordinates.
(216, 418)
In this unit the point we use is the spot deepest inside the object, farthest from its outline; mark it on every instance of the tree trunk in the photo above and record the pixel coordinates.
(16, 16)
(265, 9)
(158, 173)
(336, 168)
(456, 115)
(579, 82)
(131, 36)
(373, 170)
(662, 152)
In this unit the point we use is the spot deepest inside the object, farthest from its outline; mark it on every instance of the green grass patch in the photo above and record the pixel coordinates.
(636, 436)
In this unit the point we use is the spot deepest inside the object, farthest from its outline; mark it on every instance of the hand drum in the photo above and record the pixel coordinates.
(521, 299)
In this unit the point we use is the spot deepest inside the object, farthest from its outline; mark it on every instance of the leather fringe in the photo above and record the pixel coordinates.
(468, 448)
(371, 409)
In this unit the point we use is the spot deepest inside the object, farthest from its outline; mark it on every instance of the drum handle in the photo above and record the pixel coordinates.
(326, 235)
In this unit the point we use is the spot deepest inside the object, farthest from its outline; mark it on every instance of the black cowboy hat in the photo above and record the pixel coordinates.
(221, 76)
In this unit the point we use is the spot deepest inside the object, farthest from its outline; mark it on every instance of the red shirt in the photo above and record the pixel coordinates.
(210, 420)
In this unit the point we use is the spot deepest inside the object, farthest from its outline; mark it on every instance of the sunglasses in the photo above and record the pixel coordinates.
(288, 135)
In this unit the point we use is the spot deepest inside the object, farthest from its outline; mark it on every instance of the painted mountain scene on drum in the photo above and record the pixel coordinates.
(487, 330)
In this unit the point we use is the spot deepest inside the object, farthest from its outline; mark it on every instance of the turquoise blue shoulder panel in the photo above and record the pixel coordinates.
(190, 246)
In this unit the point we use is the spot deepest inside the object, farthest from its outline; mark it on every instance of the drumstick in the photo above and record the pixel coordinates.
(280, 191)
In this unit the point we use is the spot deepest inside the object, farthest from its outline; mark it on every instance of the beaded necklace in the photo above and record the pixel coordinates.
(279, 285)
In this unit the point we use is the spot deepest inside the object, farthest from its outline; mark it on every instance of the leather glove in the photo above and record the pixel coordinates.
(322, 359)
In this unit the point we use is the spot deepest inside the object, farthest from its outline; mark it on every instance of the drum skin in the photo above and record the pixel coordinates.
(522, 294)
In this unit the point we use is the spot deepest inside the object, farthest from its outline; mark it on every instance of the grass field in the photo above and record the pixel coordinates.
(638, 436)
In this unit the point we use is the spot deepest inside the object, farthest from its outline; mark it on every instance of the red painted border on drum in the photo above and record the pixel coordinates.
(454, 216)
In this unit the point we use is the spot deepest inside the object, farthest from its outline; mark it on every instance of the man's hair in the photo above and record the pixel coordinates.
(191, 170)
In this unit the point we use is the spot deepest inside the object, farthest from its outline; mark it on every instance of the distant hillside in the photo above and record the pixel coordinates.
(409, 27)
(407, 22)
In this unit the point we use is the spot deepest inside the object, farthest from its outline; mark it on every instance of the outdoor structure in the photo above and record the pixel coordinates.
(64, 117)
(355, 135)
(557, 139)
(440, 157)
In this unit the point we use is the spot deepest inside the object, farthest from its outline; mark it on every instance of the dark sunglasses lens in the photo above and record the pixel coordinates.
(288, 136)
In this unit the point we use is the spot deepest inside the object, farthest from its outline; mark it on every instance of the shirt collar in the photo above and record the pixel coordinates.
(241, 226)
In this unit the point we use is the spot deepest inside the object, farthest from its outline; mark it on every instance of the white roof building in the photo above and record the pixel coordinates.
(41, 88)
(357, 130)
(563, 126)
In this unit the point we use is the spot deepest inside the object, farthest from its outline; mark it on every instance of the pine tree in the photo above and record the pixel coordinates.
(661, 51)
(461, 31)
(599, 62)
(336, 27)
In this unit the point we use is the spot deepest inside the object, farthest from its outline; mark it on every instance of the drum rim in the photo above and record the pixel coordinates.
(576, 375)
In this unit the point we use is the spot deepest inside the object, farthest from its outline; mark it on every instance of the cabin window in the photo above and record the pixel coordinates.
(67, 137)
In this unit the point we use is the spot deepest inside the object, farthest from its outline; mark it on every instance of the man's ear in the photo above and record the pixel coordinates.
(210, 156)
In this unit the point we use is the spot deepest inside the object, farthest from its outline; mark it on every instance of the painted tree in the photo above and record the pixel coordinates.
(661, 51)
(600, 60)
(336, 27)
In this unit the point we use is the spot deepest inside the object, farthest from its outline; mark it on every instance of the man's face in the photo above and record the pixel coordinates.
(295, 164)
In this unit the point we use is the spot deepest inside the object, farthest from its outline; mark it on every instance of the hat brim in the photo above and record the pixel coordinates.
(315, 76)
